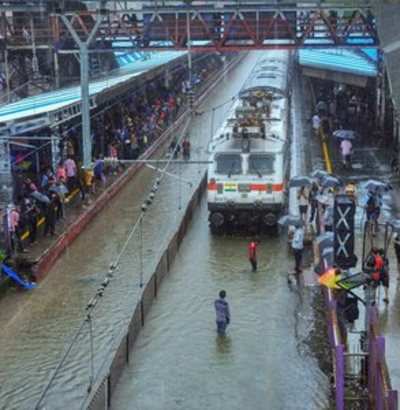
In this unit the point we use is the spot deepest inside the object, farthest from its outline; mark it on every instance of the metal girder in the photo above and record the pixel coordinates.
(23, 6)
(226, 29)
(213, 25)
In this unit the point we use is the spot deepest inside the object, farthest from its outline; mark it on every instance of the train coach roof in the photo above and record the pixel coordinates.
(269, 74)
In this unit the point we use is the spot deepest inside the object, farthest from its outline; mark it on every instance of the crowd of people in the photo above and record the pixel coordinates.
(342, 113)
(124, 132)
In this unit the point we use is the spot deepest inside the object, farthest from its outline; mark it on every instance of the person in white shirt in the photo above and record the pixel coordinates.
(302, 197)
(346, 147)
(316, 124)
(298, 246)
(328, 219)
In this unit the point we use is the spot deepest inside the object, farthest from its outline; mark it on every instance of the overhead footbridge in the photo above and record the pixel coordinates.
(202, 25)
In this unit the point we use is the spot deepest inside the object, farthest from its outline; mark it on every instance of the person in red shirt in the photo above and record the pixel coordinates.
(378, 266)
(379, 271)
(252, 253)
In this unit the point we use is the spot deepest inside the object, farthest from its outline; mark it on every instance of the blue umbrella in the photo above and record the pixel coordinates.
(325, 240)
(331, 182)
(319, 174)
(290, 220)
(59, 189)
(299, 181)
(395, 223)
(375, 185)
(40, 197)
(344, 134)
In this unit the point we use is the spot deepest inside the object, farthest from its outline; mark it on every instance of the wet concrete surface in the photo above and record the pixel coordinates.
(37, 327)
(371, 160)
(263, 362)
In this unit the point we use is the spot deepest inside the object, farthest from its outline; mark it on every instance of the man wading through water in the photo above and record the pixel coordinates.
(222, 312)
(252, 252)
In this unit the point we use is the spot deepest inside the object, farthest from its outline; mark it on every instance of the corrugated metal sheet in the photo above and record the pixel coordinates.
(340, 60)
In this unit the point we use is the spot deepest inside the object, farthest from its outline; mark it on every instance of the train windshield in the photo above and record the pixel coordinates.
(261, 164)
(229, 164)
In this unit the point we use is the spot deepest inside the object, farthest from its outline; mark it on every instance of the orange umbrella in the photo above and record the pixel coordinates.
(329, 279)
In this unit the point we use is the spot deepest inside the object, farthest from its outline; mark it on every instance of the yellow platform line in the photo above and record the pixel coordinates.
(325, 151)
(42, 220)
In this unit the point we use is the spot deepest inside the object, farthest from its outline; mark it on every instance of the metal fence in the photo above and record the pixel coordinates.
(371, 363)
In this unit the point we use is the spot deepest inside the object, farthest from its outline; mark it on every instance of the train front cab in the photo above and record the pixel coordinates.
(248, 196)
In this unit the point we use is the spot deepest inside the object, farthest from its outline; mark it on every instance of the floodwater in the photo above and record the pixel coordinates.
(264, 362)
(37, 327)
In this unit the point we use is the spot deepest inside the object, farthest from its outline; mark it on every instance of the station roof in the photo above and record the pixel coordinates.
(362, 62)
(55, 100)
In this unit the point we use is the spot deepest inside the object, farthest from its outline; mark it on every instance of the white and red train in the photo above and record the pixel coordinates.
(250, 152)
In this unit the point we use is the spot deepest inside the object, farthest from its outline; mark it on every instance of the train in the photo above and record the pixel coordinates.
(250, 153)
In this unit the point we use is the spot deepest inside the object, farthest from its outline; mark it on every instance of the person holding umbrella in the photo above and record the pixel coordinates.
(302, 197)
(346, 148)
(313, 200)
(298, 247)
(373, 209)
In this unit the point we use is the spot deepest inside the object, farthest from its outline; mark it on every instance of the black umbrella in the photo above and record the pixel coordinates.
(299, 181)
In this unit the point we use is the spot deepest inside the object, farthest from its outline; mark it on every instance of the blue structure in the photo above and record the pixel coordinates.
(362, 62)
(46, 103)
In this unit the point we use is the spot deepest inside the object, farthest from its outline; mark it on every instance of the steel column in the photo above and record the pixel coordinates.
(189, 48)
(85, 97)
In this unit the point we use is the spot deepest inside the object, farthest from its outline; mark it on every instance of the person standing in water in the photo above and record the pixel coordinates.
(222, 312)
(252, 252)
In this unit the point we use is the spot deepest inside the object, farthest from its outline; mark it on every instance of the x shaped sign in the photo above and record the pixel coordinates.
(342, 219)
(342, 243)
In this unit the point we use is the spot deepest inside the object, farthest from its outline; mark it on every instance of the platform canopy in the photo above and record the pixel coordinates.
(35, 107)
(348, 66)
